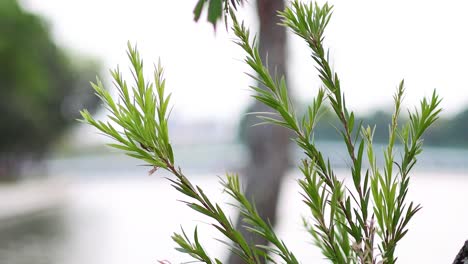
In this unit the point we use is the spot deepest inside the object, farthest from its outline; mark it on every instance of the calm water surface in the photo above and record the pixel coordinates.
(128, 217)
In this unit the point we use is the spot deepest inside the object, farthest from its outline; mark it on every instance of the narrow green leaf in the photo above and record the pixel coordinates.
(215, 11)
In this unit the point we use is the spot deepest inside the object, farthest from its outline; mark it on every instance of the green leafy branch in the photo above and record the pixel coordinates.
(388, 191)
(343, 225)
(309, 22)
(275, 96)
(141, 116)
(255, 224)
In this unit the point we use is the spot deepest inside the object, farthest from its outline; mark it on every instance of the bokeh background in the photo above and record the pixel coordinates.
(65, 198)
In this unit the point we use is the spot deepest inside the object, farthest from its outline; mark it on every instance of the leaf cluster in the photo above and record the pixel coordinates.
(141, 115)
(217, 9)
(346, 220)
(139, 125)
(358, 224)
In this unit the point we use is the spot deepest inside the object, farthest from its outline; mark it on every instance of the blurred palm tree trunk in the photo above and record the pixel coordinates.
(268, 145)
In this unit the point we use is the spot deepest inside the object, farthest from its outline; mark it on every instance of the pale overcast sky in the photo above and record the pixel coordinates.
(374, 44)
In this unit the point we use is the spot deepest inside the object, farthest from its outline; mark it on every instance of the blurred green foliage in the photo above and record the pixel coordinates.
(216, 10)
(41, 87)
(447, 132)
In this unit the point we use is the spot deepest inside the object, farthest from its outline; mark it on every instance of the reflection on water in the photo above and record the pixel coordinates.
(37, 239)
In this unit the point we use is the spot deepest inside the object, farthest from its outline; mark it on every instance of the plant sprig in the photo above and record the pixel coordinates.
(326, 193)
(141, 117)
(345, 221)
(275, 96)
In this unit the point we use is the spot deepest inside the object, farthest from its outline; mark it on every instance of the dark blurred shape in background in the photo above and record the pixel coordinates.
(42, 88)
(268, 145)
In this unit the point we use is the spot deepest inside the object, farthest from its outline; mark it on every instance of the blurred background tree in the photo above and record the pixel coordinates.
(268, 146)
(41, 87)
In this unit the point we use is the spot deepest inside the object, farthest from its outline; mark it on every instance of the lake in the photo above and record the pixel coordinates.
(113, 212)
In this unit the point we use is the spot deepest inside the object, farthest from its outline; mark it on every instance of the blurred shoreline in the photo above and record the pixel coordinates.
(28, 198)
(232, 157)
